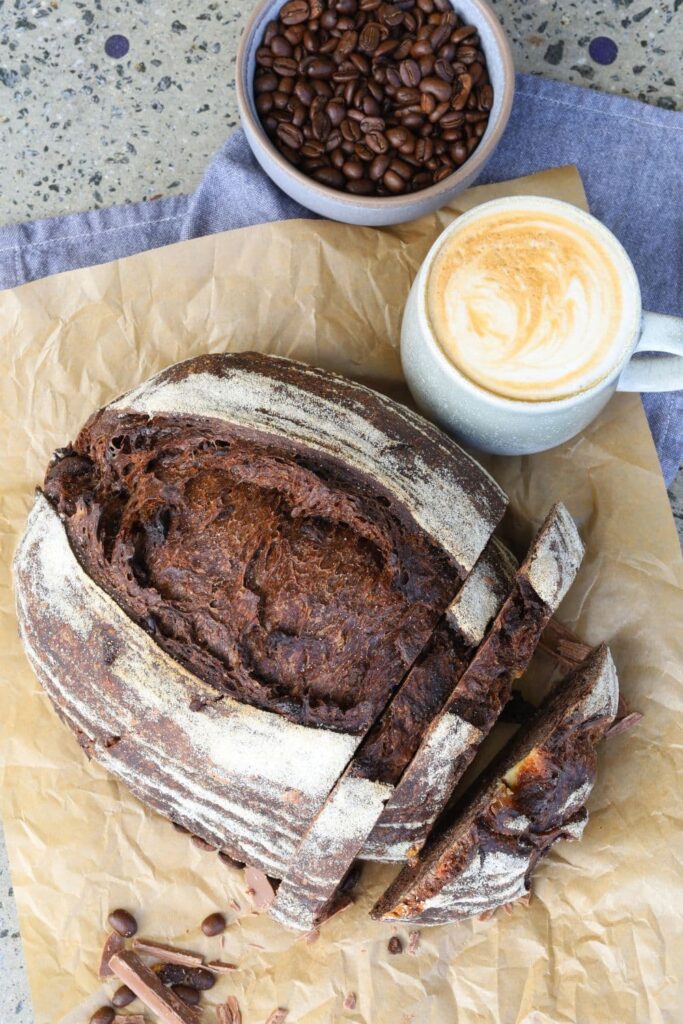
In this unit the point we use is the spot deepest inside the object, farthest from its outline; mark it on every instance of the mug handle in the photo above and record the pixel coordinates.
(660, 333)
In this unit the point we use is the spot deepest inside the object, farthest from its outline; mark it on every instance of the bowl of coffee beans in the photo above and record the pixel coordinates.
(374, 111)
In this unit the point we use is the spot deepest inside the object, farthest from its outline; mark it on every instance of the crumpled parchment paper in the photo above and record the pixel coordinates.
(601, 939)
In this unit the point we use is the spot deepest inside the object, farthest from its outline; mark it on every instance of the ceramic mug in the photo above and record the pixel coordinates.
(510, 426)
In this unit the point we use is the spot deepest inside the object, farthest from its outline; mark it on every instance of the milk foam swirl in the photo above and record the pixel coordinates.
(529, 303)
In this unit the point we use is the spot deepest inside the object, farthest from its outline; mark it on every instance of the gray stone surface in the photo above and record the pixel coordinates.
(79, 129)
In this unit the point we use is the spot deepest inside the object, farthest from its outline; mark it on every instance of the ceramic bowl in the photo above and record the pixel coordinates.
(377, 210)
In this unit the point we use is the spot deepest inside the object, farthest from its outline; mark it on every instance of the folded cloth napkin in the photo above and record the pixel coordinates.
(630, 157)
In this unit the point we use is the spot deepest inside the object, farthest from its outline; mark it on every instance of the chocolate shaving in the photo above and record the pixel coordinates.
(229, 1012)
(259, 888)
(169, 954)
(413, 943)
(350, 1001)
(202, 844)
(277, 1016)
(623, 724)
(148, 988)
(568, 651)
(220, 966)
(114, 943)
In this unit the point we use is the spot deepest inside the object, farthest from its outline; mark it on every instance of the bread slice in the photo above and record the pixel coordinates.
(338, 832)
(453, 737)
(247, 764)
(532, 795)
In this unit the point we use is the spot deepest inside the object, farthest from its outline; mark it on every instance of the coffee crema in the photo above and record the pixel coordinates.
(530, 303)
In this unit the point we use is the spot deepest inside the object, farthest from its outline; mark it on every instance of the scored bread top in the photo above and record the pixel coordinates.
(447, 493)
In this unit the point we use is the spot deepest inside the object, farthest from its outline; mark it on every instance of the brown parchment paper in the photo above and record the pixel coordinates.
(601, 939)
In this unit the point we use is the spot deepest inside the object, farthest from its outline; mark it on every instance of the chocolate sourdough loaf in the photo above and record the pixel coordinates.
(531, 796)
(227, 576)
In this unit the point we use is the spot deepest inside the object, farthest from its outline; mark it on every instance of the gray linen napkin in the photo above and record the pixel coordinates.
(630, 157)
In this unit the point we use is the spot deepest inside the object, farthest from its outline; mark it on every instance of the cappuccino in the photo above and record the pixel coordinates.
(532, 299)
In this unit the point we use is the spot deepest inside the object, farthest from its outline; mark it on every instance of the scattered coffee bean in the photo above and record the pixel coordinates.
(395, 945)
(122, 997)
(105, 1015)
(351, 91)
(178, 974)
(190, 996)
(123, 923)
(214, 924)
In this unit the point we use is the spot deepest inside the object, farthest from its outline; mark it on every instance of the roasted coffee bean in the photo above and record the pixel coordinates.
(178, 974)
(264, 104)
(281, 47)
(388, 46)
(294, 12)
(378, 166)
(265, 83)
(285, 67)
(361, 187)
(304, 92)
(123, 997)
(123, 922)
(401, 168)
(264, 57)
(395, 945)
(350, 130)
(352, 169)
(334, 139)
(372, 124)
(190, 996)
(444, 69)
(105, 1015)
(311, 41)
(337, 158)
(319, 66)
(410, 73)
(486, 98)
(438, 112)
(290, 135)
(458, 153)
(214, 924)
(363, 152)
(393, 182)
(370, 37)
(383, 95)
(329, 176)
(439, 89)
(453, 119)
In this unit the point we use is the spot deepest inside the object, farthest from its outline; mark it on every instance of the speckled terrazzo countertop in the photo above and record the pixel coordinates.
(109, 103)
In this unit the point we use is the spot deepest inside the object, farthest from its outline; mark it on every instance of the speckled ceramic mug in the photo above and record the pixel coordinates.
(494, 422)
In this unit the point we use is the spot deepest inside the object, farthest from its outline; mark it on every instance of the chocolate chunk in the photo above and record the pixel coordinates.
(229, 1012)
(113, 944)
(179, 974)
(260, 888)
(169, 954)
(395, 945)
(164, 1002)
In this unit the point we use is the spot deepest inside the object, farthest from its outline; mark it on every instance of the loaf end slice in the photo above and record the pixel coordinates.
(532, 795)
(453, 738)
